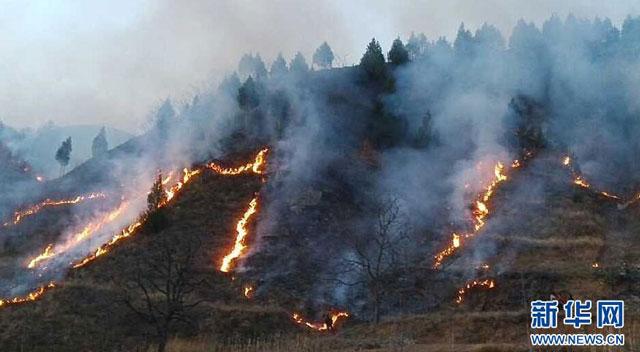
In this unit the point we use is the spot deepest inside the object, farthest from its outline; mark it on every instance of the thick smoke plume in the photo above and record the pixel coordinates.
(408, 143)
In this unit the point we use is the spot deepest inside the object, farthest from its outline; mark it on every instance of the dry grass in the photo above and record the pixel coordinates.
(393, 336)
(272, 344)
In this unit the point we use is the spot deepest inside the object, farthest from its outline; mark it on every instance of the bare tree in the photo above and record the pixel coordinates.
(378, 254)
(160, 288)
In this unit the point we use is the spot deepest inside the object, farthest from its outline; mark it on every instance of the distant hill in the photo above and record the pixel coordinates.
(38, 146)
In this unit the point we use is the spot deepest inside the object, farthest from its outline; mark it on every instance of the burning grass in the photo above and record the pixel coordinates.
(213, 216)
(20, 215)
(480, 211)
(52, 251)
(241, 234)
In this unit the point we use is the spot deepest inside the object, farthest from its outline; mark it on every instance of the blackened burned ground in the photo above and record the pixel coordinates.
(85, 313)
(543, 237)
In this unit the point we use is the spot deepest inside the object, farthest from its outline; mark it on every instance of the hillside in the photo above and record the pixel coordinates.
(570, 226)
(38, 146)
(420, 200)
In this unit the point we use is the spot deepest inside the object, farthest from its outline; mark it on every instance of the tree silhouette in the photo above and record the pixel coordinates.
(63, 155)
(230, 85)
(279, 67)
(259, 68)
(298, 65)
(157, 218)
(161, 287)
(489, 38)
(323, 56)
(417, 46)
(245, 66)
(248, 97)
(165, 118)
(100, 146)
(463, 45)
(372, 61)
(250, 65)
(157, 197)
(379, 255)
(424, 135)
(398, 55)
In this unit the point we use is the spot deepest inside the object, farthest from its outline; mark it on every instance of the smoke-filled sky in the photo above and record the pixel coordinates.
(111, 62)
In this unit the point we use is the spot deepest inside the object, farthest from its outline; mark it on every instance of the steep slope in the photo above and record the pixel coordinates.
(543, 237)
(84, 312)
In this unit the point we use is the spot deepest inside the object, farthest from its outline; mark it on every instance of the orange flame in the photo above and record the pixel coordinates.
(609, 195)
(29, 297)
(335, 317)
(486, 283)
(248, 291)
(580, 181)
(129, 230)
(93, 227)
(132, 228)
(171, 193)
(51, 251)
(19, 215)
(480, 212)
(48, 253)
(241, 234)
(105, 248)
(256, 166)
(77, 238)
(186, 177)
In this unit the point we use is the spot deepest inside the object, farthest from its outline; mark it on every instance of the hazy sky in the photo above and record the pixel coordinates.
(110, 62)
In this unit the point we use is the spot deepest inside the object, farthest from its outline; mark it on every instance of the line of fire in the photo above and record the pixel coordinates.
(228, 262)
(480, 212)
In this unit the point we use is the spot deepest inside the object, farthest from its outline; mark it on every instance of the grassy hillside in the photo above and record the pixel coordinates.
(541, 242)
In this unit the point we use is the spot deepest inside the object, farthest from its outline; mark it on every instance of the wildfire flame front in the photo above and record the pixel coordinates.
(486, 283)
(480, 212)
(335, 317)
(241, 234)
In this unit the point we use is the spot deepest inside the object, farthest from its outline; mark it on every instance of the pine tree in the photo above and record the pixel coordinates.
(489, 38)
(157, 218)
(248, 97)
(298, 65)
(165, 118)
(100, 146)
(259, 68)
(463, 45)
(398, 55)
(230, 85)
(245, 66)
(417, 46)
(323, 56)
(278, 67)
(157, 197)
(250, 65)
(372, 61)
(63, 155)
